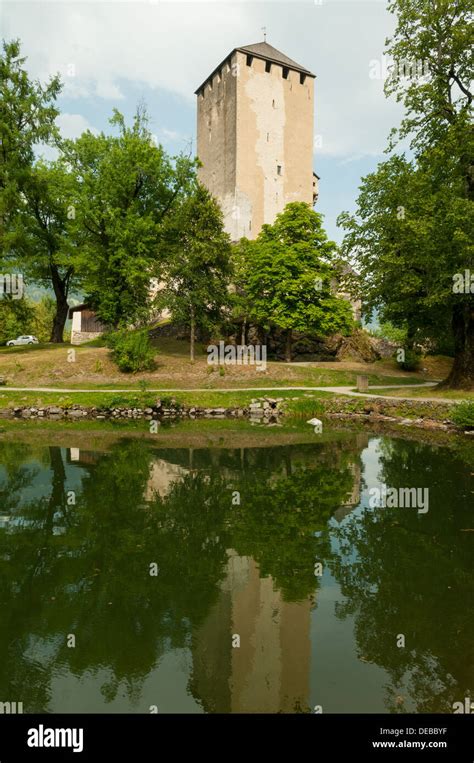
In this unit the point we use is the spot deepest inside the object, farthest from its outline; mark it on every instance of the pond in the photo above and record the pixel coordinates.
(140, 578)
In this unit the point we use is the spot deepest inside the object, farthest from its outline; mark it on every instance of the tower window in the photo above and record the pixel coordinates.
(268, 66)
(273, 103)
(268, 136)
(302, 78)
(286, 71)
(249, 60)
(278, 169)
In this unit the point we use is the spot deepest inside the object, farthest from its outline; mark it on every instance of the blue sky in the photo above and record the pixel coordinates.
(117, 54)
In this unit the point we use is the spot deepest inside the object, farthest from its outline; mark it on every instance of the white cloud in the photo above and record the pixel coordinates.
(102, 47)
(73, 125)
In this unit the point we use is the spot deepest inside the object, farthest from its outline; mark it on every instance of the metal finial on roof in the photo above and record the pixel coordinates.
(264, 29)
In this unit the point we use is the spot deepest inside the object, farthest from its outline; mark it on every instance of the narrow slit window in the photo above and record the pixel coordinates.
(286, 71)
(278, 169)
(249, 60)
(268, 66)
(302, 78)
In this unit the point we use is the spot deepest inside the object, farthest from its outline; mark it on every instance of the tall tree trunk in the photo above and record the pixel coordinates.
(60, 286)
(289, 340)
(462, 372)
(192, 335)
(244, 331)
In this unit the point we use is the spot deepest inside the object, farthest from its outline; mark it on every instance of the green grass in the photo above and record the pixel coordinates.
(138, 398)
(431, 392)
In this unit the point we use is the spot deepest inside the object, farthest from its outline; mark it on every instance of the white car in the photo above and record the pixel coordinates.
(22, 340)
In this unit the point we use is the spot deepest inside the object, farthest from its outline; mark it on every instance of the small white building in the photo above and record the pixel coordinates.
(85, 324)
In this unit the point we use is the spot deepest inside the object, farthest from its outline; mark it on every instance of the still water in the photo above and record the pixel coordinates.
(235, 579)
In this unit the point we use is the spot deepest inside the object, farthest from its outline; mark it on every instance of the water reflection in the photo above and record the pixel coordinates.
(236, 620)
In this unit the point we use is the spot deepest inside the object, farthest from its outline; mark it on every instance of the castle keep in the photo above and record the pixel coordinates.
(255, 136)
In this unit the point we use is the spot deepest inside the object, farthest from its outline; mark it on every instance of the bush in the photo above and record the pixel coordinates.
(463, 414)
(412, 361)
(132, 351)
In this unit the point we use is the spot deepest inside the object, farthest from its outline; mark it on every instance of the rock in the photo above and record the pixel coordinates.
(75, 414)
(54, 411)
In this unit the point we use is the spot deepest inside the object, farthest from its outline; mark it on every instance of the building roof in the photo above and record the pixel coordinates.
(78, 309)
(267, 53)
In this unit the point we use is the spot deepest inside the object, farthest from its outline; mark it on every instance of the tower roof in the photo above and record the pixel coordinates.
(267, 53)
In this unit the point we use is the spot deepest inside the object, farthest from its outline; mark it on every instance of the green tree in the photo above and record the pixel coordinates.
(16, 318)
(198, 271)
(128, 186)
(44, 313)
(417, 215)
(40, 236)
(288, 276)
(27, 118)
(412, 233)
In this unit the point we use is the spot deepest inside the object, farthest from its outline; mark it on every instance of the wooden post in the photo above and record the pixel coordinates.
(362, 383)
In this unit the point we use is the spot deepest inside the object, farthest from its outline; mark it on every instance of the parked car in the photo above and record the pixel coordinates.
(22, 340)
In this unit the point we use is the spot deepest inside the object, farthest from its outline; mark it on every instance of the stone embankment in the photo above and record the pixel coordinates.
(266, 410)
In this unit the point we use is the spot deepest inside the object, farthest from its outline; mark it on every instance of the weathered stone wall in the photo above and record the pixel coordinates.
(79, 337)
(216, 140)
(265, 410)
(255, 140)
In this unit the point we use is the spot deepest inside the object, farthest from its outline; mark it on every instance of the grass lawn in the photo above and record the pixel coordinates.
(90, 366)
(431, 392)
(142, 399)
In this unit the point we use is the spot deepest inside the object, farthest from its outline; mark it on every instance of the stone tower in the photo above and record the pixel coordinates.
(255, 136)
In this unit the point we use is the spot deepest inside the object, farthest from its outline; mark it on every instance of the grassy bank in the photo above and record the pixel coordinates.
(138, 399)
(91, 367)
(431, 392)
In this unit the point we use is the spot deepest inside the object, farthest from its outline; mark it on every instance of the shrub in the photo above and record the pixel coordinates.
(412, 361)
(132, 351)
(463, 414)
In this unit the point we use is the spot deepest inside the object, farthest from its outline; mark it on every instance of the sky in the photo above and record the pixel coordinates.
(121, 54)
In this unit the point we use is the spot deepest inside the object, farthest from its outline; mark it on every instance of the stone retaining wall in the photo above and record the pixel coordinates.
(264, 409)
